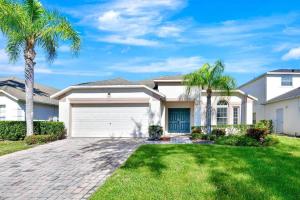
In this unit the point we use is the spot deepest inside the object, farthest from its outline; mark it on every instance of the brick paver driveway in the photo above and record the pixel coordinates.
(66, 169)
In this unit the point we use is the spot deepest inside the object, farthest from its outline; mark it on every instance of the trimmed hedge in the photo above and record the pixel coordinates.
(39, 139)
(16, 130)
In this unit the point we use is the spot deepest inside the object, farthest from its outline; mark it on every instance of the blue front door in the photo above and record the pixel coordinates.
(179, 120)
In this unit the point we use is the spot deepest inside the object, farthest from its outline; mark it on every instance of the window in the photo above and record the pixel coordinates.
(236, 115)
(254, 118)
(222, 112)
(286, 80)
(2, 112)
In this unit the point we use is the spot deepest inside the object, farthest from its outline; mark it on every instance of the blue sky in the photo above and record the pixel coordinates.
(141, 39)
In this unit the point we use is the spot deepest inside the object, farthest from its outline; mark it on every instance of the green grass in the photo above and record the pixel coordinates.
(7, 147)
(207, 172)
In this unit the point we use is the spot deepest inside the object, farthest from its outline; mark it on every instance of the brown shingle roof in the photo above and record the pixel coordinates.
(16, 87)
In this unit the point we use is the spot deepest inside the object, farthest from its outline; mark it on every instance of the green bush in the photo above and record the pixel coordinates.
(16, 130)
(218, 132)
(155, 132)
(196, 129)
(39, 139)
(195, 136)
(237, 140)
(12, 130)
(270, 141)
(257, 133)
(265, 124)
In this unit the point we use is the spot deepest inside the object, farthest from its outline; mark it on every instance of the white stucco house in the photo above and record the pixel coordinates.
(12, 101)
(122, 108)
(278, 94)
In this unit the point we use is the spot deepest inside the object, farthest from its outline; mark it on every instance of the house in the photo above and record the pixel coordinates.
(122, 108)
(12, 101)
(278, 94)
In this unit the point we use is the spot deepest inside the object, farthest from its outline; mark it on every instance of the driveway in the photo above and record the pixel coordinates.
(66, 169)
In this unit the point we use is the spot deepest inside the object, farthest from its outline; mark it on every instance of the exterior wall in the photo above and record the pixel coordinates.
(233, 101)
(274, 87)
(16, 110)
(291, 115)
(257, 89)
(13, 111)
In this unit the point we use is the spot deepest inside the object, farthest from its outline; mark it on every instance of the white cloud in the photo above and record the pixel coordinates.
(173, 64)
(292, 54)
(128, 40)
(134, 22)
(244, 31)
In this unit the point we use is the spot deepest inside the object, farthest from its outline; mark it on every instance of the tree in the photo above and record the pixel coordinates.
(210, 78)
(28, 25)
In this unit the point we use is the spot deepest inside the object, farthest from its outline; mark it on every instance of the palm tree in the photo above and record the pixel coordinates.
(210, 77)
(28, 25)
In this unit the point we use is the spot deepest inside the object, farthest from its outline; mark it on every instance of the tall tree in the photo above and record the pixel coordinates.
(210, 78)
(28, 25)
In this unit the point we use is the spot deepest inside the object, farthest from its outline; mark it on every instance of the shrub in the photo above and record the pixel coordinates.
(270, 141)
(196, 129)
(39, 139)
(155, 132)
(265, 124)
(218, 132)
(195, 136)
(12, 130)
(237, 140)
(16, 130)
(229, 129)
(256, 133)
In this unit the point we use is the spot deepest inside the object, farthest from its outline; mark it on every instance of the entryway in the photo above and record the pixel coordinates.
(179, 120)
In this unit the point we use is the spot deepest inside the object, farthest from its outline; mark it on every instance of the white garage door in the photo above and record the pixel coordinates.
(110, 120)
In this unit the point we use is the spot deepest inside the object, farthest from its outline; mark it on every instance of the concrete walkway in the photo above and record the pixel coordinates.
(66, 169)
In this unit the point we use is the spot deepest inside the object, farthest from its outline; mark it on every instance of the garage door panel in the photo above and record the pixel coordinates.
(109, 121)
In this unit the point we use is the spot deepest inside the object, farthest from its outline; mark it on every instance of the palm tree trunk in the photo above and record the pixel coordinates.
(208, 111)
(29, 55)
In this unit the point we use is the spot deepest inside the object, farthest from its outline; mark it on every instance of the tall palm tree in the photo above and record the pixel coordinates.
(28, 25)
(210, 77)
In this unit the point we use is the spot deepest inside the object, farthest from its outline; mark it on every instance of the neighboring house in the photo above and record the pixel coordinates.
(278, 94)
(121, 108)
(12, 101)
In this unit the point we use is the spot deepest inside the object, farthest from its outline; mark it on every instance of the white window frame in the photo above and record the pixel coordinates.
(286, 80)
(237, 116)
(222, 107)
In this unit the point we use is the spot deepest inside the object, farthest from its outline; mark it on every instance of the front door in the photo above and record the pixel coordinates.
(279, 120)
(179, 120)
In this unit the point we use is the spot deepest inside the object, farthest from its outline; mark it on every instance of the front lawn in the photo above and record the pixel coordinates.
(7, 147)
(208, 172)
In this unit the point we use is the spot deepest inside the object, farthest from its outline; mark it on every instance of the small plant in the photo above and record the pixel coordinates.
(39, 139)
(265, 124)
(195, 136)
(270, 140)
(218, 132)
(257, 133)
(196, 129)
(155, 132)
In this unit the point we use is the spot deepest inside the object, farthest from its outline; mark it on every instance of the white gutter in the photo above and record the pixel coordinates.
(56, 95)
(166, 81)
(11, 96)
